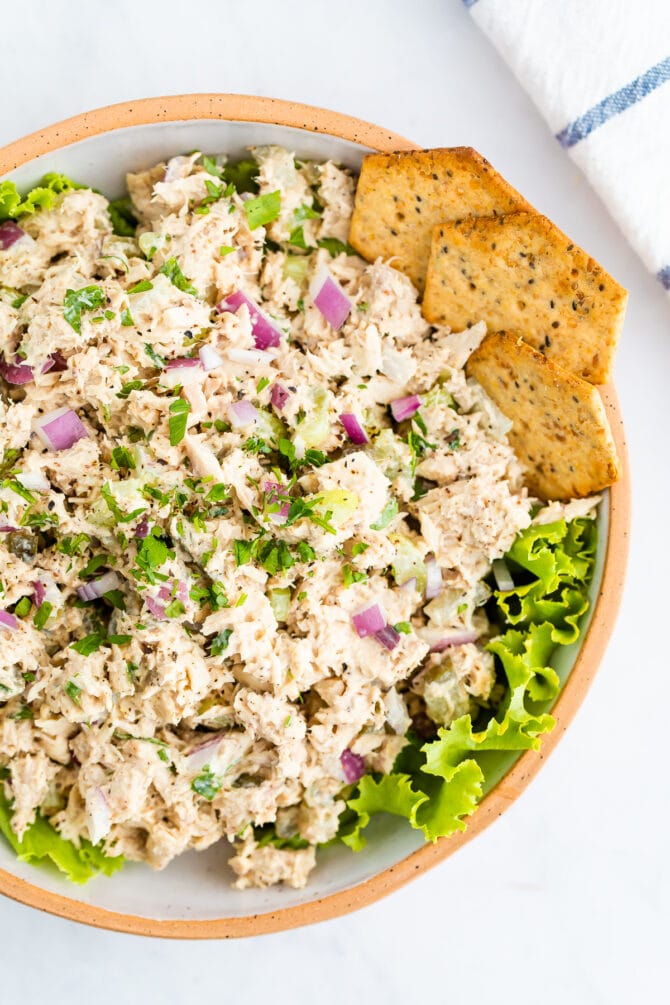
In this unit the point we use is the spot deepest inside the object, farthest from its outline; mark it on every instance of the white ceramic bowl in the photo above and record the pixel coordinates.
(192, 897)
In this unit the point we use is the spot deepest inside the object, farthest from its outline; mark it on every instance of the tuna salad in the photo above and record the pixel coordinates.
(264, 545)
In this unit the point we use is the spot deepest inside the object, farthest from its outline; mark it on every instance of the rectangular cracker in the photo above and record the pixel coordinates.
(521, 273)
(400, 197)
(560, 431)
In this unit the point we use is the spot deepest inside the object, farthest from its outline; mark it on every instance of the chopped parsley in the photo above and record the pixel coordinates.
(171, 269)
(22, 607)
(73, 691)
(155, 358)
(226, 249)
(143, 286)
(73, 545)
(305, 509)
(174, 609)
(207, 784)
(122, 458)
(127, 318)
(25, 712)
(179, 410)
(263, 209)
(242, 176)
(152, 553)
(124, 221)
(256, 445)
(287, 454)
(416, 441)
(96, 563)
(335, 247)
(351, 575)
(297, 238)
(219, 643)
(114, 507)
(404, 627)
(91, 643)
(76, 302)
(42, 614)
(132, 385)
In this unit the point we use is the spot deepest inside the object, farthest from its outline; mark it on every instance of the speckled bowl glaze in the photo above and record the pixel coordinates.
(192, 898)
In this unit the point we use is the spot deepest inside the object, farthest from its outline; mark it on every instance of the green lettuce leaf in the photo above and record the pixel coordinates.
(43, 196)
(435, 786)
(41, 843)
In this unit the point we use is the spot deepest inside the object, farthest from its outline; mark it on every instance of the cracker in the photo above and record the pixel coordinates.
(560, 431)
(400, 198)
(521, 273)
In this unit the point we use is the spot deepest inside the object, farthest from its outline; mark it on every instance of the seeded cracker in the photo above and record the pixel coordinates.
(521, 273)
(401, 197)
(560, 430)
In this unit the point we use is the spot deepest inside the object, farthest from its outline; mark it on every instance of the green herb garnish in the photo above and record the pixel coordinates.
(76, 302)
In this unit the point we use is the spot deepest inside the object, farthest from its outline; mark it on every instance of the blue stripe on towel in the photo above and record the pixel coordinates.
(615, 103)
(663, 276)
(469, 3)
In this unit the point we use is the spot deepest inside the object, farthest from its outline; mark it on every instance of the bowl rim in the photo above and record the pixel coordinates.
(274, 111)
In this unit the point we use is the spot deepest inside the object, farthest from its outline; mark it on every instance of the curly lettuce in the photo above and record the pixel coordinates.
(13, 205)
(41, 843)
(437, 785)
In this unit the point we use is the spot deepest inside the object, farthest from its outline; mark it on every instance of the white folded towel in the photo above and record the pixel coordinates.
(599, 71)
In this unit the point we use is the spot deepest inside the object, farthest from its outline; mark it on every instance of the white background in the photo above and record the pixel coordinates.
(566, 898)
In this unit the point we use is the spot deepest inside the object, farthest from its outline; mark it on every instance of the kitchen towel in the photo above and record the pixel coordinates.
(599, 71)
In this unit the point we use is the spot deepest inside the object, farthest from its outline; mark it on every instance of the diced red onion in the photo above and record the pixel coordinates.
(255, 357)
(39, 593)
(404, 408)
(201, 755)
(409, 585)
(142, 529)
(10, 233)
(6, 529)
(242, 414)
(276, 493)
(8, 620)
(181, 361)
(168, 592)
(279, 396)
(369, 621)
(353, 766)
(330, 299)
(55, 363)
(34, 481)
(98, 818)
(502, 575)
(433, 579)
(59, 430)
(155, 608)
(353, 428)
(209, 358)
(266, 333)
(439, 639)
(16, 373)
(388, 637)
(98, 587)
(186, 370)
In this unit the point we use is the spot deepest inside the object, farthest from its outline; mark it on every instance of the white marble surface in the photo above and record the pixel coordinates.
(566, 897)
